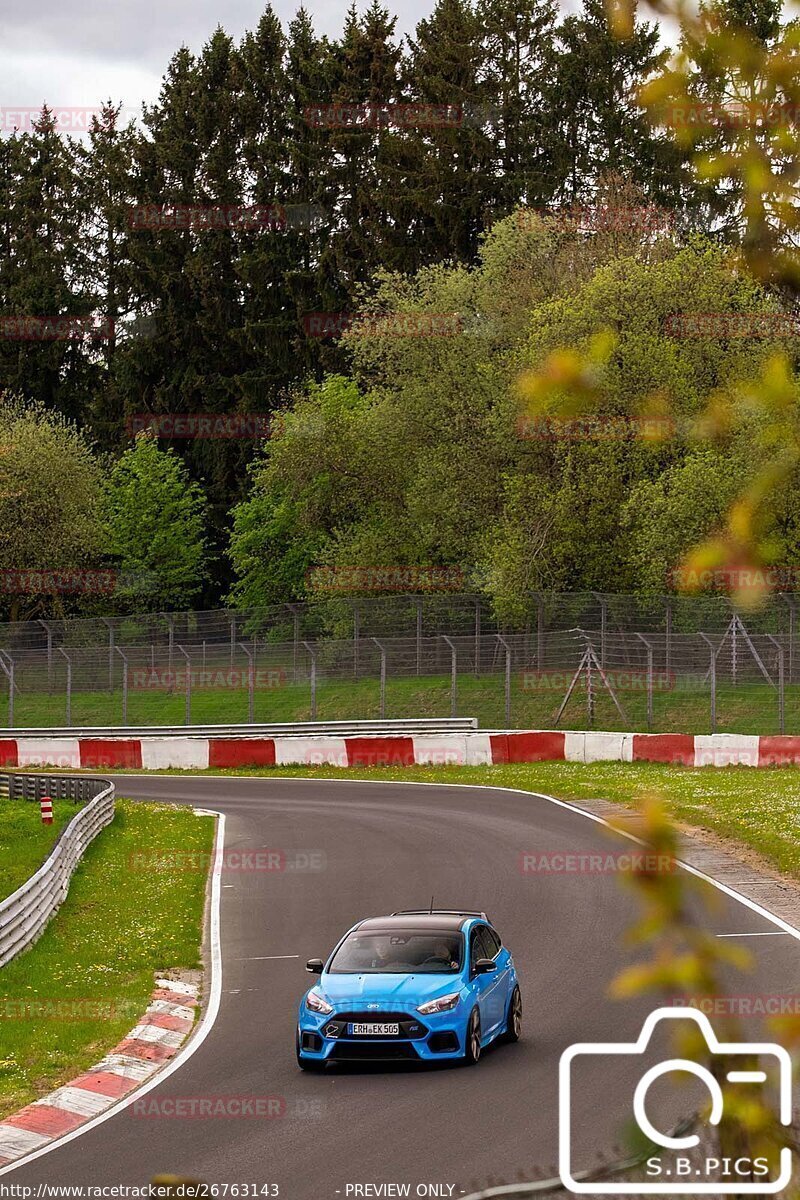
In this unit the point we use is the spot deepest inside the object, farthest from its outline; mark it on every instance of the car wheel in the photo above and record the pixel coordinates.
(308, 1064)
(513, 1029)
(472, 1050)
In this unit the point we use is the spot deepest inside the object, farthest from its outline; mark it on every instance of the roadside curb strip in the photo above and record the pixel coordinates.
(165, 1026)
(478, 748)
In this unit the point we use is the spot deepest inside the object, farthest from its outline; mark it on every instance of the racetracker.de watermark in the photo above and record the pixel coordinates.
(176, 217)
(620, 680)
(65, 118)
(734, 114)
(756, 1004)
(693, 325)
(623, 218)
(59, 1009)
(395, 324)
(589, 428)
(210, 426)
(58, 328)
(167, 679)
(539, 862)
(398, 116)
(734, 579)
(245, 860)
(385, 579)
(204, 1108)
(46, 582)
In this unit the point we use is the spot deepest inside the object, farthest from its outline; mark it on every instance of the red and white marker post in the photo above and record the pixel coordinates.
(47, 810)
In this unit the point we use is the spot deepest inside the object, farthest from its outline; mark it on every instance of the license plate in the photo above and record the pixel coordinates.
(387, 1030)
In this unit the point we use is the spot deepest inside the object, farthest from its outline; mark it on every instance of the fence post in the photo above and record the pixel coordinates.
(713, 677)
(188, 715)
(356, 636)
(781, 685)
(540, 633)
(46, 627)
(477, 638)
(8, 671)
(61, 650)
(792, 621)
(507, 649)
(383, 678)
(124, 686)
(232, 619)
(251, 683)
(419, 635)
(295, 638)
(109, 626)
(313, 654)
(171, 624)
(453, 675)
(642, 638)
(668, 645)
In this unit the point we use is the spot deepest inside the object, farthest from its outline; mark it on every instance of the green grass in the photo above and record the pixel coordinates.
(751, 708)
(25, 842)
(97, 959)
(759, 809)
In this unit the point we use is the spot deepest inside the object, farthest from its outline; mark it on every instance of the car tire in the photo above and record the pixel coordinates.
(513, 1029)
(315, 1066)
(472, 1048)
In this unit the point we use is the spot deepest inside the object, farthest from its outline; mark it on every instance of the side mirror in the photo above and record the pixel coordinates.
(314, 966)
(484, 965)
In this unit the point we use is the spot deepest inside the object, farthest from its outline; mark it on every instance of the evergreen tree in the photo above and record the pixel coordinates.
(45, 272)
(603, 129)
(447, 183)
(733, 110)
(520, 71)
(110, 180)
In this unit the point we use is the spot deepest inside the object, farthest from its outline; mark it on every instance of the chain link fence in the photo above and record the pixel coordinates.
(662, 664)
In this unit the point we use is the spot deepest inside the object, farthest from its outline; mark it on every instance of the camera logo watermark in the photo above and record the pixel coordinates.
(677, 1171)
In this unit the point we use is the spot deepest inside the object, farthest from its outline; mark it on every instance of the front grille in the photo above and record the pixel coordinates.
(364, 1051)
(411, 1028)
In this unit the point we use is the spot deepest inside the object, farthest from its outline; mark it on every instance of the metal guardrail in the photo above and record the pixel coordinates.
(295, 729)
(26, 912)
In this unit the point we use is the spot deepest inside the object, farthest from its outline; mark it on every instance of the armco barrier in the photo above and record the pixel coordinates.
(26, 912)
(470, 748)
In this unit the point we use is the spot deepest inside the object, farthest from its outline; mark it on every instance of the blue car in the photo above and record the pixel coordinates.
(426, 986)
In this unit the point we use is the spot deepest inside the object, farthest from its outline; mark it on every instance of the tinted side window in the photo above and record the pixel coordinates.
(476, 947)
(492, 940)
(485, 943)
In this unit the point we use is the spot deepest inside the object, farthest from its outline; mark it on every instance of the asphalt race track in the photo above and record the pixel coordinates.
(384, 847)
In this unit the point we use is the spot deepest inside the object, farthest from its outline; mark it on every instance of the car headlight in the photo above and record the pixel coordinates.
(442, 1004)
(318, 1003)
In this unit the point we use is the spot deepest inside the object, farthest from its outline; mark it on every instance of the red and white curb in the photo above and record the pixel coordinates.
(398, 750)
(163, 1029)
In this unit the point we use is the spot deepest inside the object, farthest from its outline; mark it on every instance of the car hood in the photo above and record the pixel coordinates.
(388, 990)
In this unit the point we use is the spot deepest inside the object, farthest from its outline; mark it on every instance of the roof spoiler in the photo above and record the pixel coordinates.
(440, 912)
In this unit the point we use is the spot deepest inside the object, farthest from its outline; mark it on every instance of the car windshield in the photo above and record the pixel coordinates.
(399, 953)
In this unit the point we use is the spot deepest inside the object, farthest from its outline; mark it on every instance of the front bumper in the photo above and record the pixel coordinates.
(421, 1039)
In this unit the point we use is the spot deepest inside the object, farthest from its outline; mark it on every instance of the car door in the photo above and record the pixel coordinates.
(497, 981)
(503, 976)
(481, 984)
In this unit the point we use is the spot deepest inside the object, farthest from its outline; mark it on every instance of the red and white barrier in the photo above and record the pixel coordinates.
(189, 753)
(46, 807)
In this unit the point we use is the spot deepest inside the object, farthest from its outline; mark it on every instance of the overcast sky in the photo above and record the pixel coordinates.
(76, 55)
